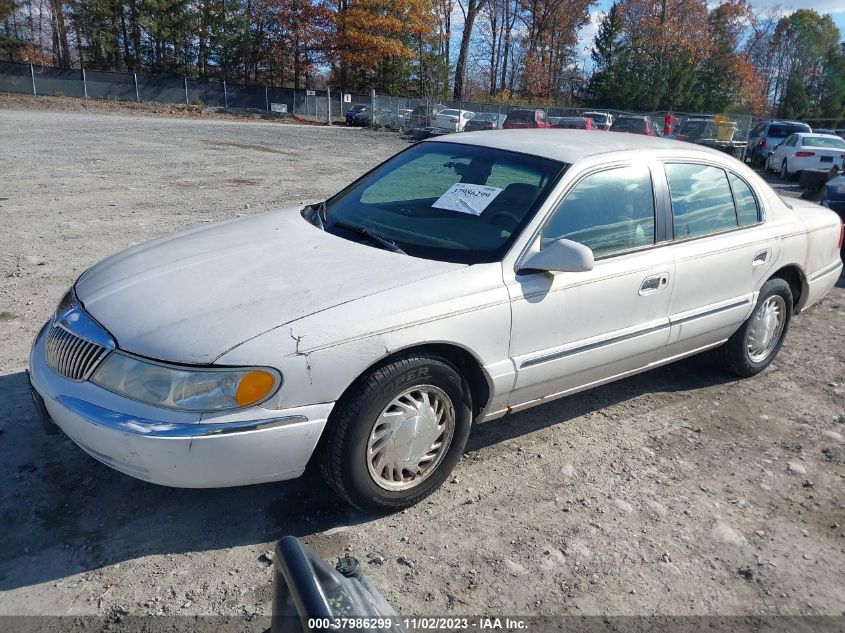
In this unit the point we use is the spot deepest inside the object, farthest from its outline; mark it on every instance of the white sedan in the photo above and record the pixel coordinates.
(466, 278)
(451, 120)
(806, 151)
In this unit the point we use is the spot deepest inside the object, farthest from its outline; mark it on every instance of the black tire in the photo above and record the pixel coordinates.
(343, 447)
(733, 355)
(784, 172)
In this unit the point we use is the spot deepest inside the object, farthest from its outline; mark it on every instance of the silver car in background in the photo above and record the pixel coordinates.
(466, 278)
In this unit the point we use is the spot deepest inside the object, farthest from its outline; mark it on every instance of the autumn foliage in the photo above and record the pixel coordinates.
(681, 55)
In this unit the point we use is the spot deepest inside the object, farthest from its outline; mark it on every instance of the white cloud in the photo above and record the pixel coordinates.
(586, 35)
(820, 6)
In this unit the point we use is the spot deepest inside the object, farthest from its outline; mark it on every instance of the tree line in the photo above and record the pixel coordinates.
(682, 55)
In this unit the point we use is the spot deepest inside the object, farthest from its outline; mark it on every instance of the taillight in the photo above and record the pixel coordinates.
(762, 143)
(804, 154)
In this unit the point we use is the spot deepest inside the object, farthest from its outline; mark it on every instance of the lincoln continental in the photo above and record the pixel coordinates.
(467, 278)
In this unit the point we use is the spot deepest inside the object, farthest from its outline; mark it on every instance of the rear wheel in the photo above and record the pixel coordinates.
(784, 172)
(397, 434)
(756, 344)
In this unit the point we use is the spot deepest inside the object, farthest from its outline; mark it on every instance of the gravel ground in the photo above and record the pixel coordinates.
(679, 491)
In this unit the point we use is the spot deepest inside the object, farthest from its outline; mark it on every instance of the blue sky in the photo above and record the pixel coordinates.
(835, 7)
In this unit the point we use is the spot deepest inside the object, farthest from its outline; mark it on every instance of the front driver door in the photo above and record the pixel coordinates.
(572, 330)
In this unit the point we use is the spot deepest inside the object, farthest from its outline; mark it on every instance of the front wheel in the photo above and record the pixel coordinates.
(756, 344)
(397, 434)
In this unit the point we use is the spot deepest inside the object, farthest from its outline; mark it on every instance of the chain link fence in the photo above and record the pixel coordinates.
(401, 114)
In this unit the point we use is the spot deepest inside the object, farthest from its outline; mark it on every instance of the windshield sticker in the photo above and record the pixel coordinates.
(467, 198)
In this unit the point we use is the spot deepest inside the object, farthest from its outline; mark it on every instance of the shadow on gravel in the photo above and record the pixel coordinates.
(684, 375)
(64, 513)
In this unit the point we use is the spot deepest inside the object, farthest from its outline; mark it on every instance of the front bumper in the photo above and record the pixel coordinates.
(174, 448)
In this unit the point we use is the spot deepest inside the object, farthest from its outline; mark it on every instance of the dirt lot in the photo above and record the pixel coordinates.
(666, 493)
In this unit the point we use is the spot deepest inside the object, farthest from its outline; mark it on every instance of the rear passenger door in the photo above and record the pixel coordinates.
(722, 249)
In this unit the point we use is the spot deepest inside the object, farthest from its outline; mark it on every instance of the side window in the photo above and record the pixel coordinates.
(702, 203)
(791, 141)
(746, 203)
(609, 211)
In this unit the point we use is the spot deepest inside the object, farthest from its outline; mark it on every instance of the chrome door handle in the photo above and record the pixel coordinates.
(654, 283)
(761, 257)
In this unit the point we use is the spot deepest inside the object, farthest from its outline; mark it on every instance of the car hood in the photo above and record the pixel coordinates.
(193, 296)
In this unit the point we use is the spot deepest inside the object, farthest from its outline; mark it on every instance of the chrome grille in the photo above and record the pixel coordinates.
(72, 356)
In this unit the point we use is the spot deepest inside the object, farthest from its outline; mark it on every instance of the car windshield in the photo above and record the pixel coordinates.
(448, 113)
(485, 116)
(782, 130)
(446, 201)
(829, 142)
(358, 108)
(598, 119)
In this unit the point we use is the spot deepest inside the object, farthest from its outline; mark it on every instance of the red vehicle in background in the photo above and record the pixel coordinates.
(525, 118)
(634, 125)
(575, 123)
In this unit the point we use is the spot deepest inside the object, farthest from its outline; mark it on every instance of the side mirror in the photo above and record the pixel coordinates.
(561, 256)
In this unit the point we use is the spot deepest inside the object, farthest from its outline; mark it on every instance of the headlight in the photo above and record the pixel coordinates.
(65, 303)
(184, 388)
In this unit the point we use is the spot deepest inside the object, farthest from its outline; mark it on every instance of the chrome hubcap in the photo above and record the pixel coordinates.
(410, 438)
(766, 328)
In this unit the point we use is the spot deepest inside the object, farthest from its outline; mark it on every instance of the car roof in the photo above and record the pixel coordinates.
(784, 122)
(567, 146)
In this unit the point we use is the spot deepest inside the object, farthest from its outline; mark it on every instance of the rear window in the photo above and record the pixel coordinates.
(448, 113)
(782, 131)
(695, 129)
(575, 123)
(828, 142)
(598, 119)
(521, 115)
(629, 124)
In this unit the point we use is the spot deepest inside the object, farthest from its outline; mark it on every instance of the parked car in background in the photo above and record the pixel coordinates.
(551, 120)
(485, 121)
(526, 118)
(695, 128)
(806, 151)
(423, 115)
(825, 131)
(634, 125)
(575, 123)
(451, 120)
(468, 277)
(395, 118)
(602, 120)
(354, 111)
(764, 136)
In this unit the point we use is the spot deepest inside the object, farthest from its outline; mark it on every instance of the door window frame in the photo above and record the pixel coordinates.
(761, 211)
(662, 206)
